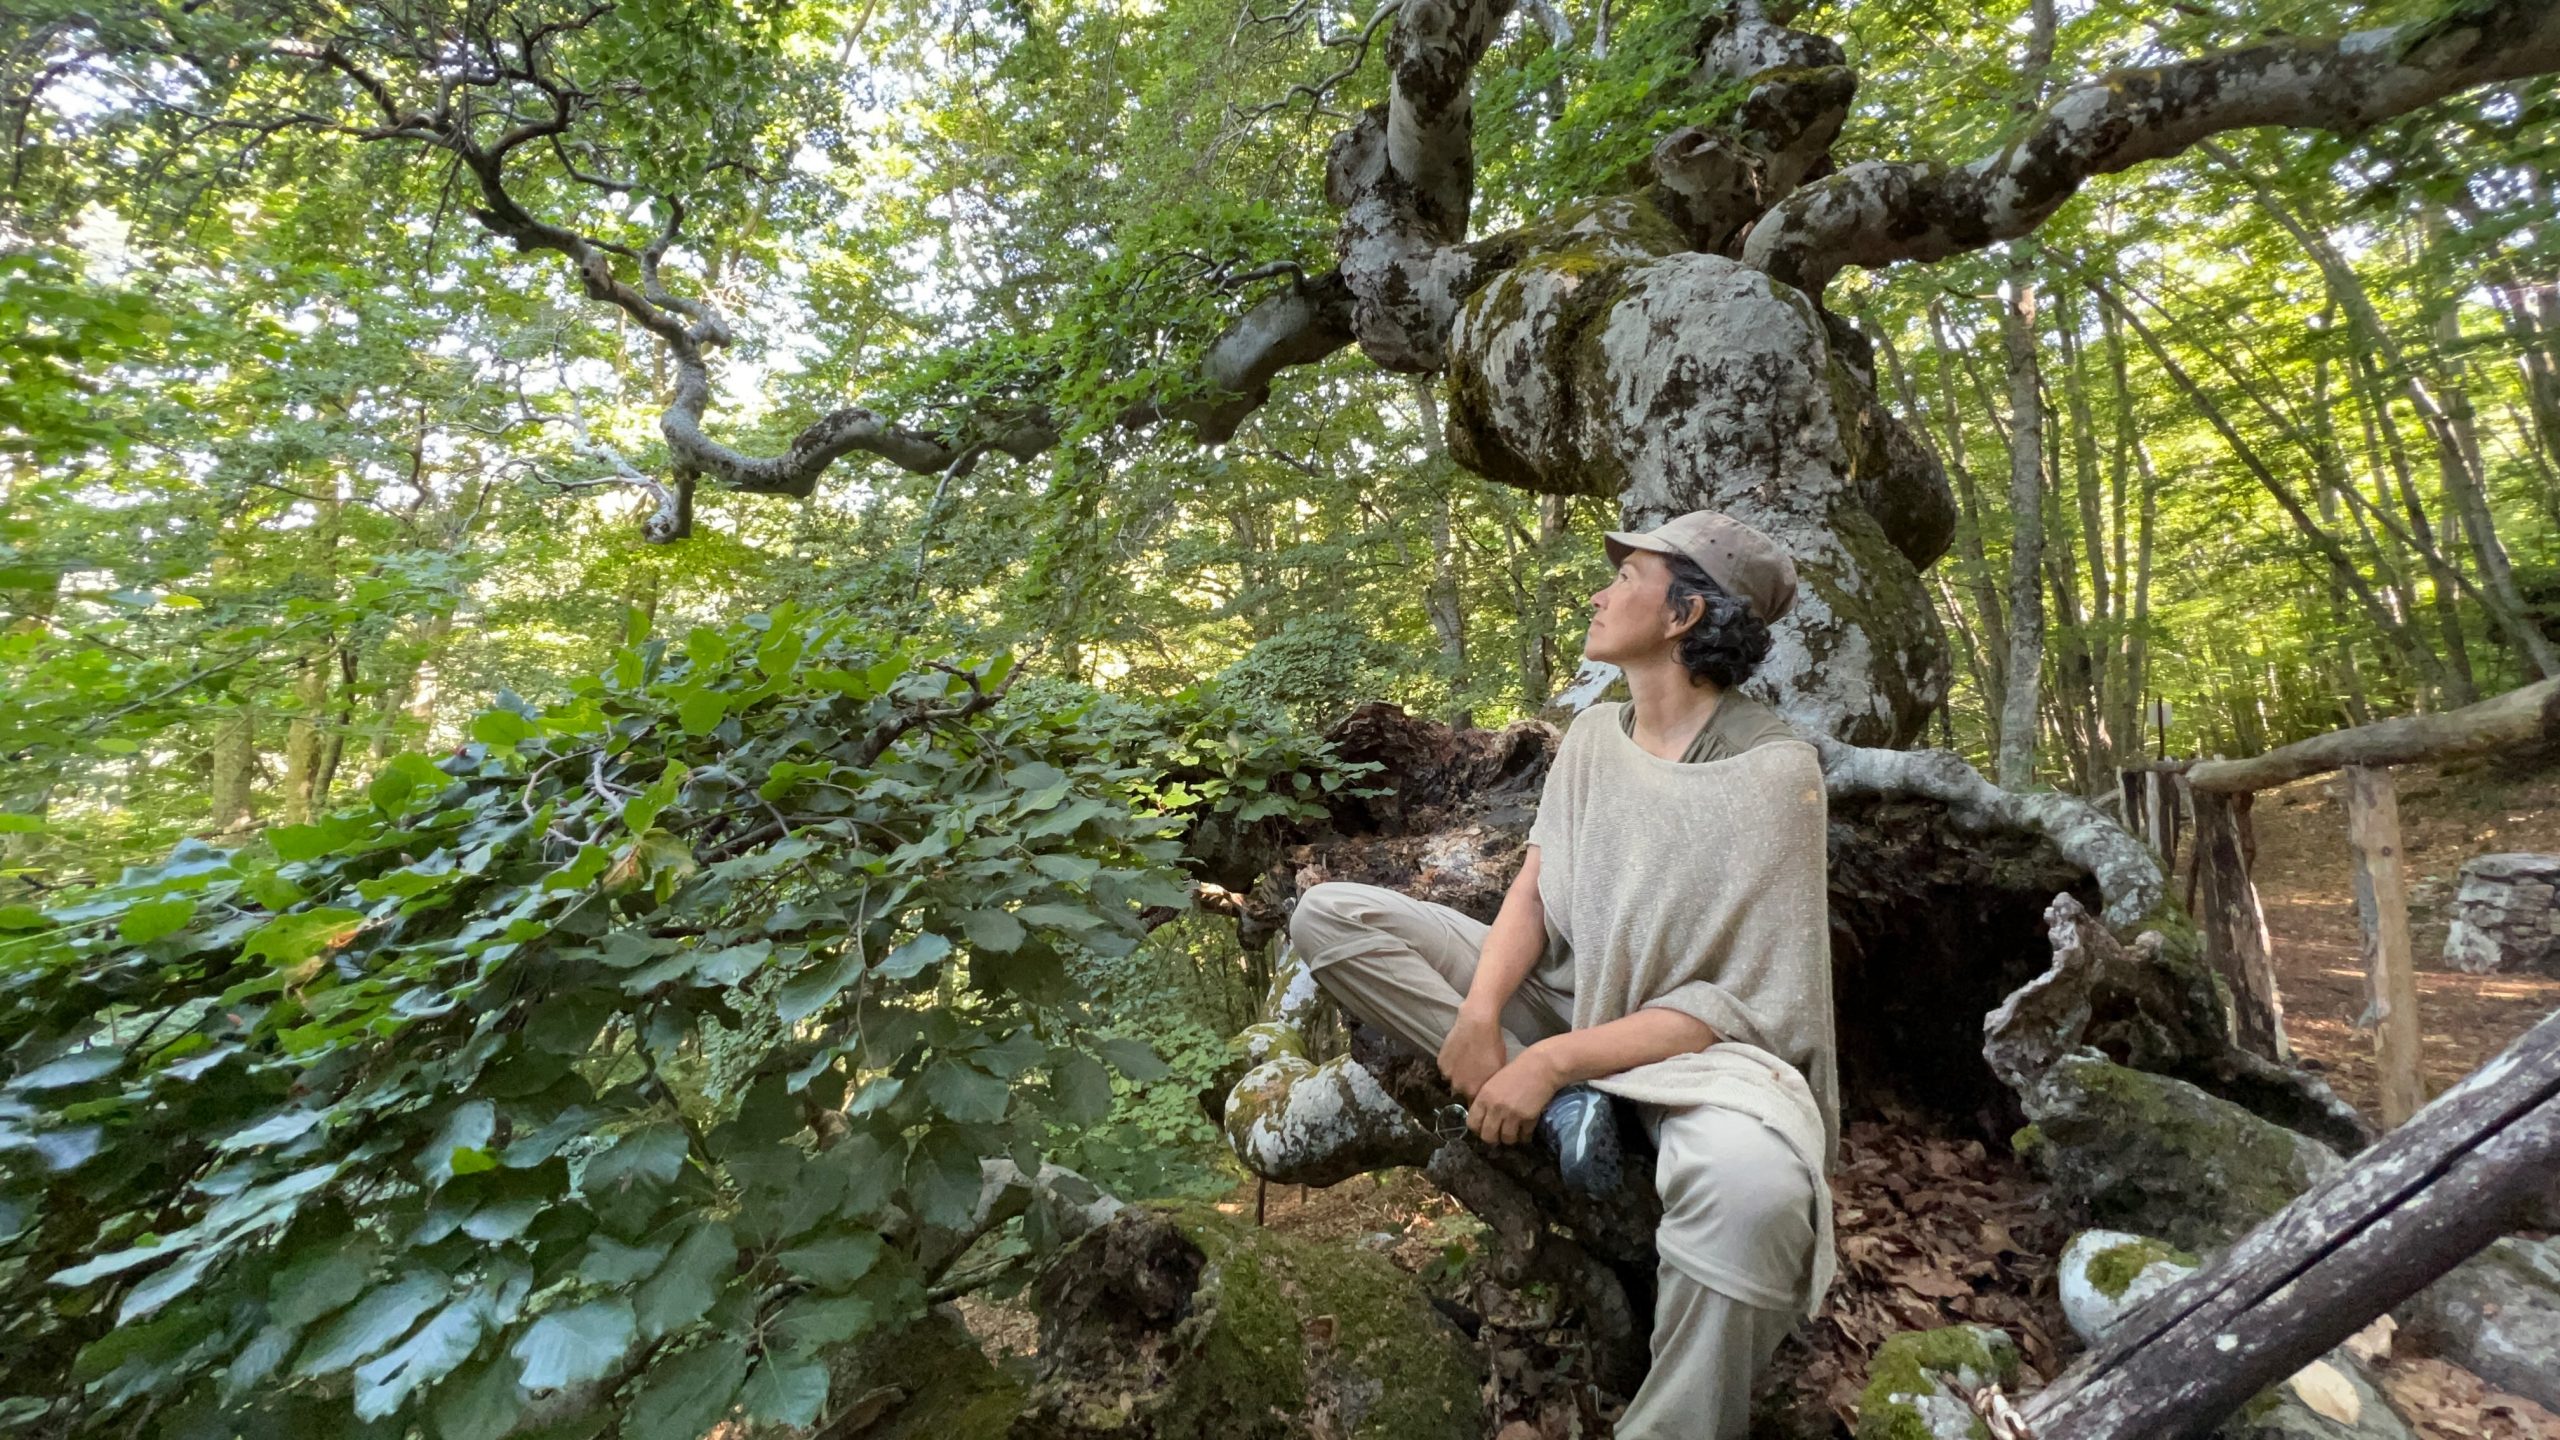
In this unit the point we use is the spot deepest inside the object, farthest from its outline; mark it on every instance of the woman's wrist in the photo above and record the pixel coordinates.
(1546, 1055)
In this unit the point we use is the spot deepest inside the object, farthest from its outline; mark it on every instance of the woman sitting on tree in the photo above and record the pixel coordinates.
(1667, 941)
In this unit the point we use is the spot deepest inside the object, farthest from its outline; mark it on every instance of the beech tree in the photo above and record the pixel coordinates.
(1666, 345)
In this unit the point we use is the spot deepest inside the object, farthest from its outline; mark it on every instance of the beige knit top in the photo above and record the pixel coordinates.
(1701, 887)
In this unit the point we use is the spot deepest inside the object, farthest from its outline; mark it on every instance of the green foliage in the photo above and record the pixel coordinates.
(1312, 670)
(1180, 995)
(386, 1115)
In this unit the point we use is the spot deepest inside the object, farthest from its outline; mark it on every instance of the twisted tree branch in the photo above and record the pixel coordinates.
(1877, 213)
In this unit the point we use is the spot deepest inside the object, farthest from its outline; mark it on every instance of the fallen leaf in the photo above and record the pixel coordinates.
(2372, 1344)
(2326, 1389)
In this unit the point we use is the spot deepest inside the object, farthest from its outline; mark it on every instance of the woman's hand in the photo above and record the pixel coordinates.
(1472, 1052)
(1506, 1110)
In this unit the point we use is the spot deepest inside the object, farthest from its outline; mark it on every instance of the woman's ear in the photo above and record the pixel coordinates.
(1693, 614)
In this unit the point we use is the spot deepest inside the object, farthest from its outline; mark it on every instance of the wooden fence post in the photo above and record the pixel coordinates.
(2235, 929)
(2382, 902)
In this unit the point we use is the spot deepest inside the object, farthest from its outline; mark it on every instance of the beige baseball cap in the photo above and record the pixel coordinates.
(1739, 558)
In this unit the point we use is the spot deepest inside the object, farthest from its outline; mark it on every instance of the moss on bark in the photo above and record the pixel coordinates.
(1178, 1321)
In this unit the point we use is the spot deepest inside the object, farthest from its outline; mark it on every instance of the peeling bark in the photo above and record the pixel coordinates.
(1614, 360)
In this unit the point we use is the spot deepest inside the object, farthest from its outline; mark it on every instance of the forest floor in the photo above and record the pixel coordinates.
(2303, 877)
(1933, 1230)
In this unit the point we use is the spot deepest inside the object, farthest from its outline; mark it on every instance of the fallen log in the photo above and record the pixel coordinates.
(2419, 1202)
(2523, 719)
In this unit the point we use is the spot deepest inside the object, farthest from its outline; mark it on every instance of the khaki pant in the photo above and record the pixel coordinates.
(1737, 1205)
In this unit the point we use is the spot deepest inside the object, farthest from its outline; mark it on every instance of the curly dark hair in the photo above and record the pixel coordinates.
(1728, 642)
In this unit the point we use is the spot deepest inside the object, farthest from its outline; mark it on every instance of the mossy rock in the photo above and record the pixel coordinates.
(1917, 1383)
(2158, 1156)
(2105, 1273)
(1175, 1320)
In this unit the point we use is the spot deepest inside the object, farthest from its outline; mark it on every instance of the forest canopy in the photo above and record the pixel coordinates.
(623, 624)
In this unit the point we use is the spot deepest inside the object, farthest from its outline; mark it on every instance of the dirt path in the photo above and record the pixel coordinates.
(2304, 883)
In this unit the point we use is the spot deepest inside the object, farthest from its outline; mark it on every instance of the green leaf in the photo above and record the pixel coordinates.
(77, 1068)
(994, 930)
(456, 1148)
(291, 939)
(610, 1262)
(835, 1262)
(1066, 820)
(707, 648)
(501, 727)
(481, 1403)
(943, 1180)
(408, 777)
(914, 956)
(682, 1290)
(1134, 1059)
(787, 1390)
(384, 1384)
(314, 1286)
(382, 1316)
(964, 1092)
(1058, 917)
(700, 712)
(147, 1298)
(573, 1346)
(14, 824)
(808, 992)
(1082, 1086)
(1036, 775)
(684, 1398)
(812, 1321)
(1012, 1055)
(641, 810)
(1067, 869)
(654, 1154)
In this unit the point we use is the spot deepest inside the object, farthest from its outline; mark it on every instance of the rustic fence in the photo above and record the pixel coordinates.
(2203, 806)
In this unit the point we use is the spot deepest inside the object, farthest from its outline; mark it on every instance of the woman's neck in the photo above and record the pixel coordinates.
(1671, 708)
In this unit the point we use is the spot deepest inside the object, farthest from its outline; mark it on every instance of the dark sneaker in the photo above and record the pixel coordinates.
(1580, 1128)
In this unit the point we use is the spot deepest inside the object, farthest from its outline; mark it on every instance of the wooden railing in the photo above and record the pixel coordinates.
(2164, 800)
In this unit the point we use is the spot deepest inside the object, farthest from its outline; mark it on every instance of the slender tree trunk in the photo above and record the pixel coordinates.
(2137, 644)
(1444, 601)
(1538, 642)
(2537, 344)
(2125, 640)
(2025, 666)
(307, 732)
(1976, 568)
(2089, 640)
(2026, 462)
(2458, 687)
(2466, 485)
(29, 788)
(235, 765)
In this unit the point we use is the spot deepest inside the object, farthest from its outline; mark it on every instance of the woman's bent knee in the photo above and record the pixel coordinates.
(1739, 1171)
(1325, 916)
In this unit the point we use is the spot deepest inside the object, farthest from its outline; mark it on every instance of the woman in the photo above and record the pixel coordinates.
(1668, 941)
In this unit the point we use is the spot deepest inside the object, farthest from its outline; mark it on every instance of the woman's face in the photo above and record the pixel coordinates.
(1630, 617)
